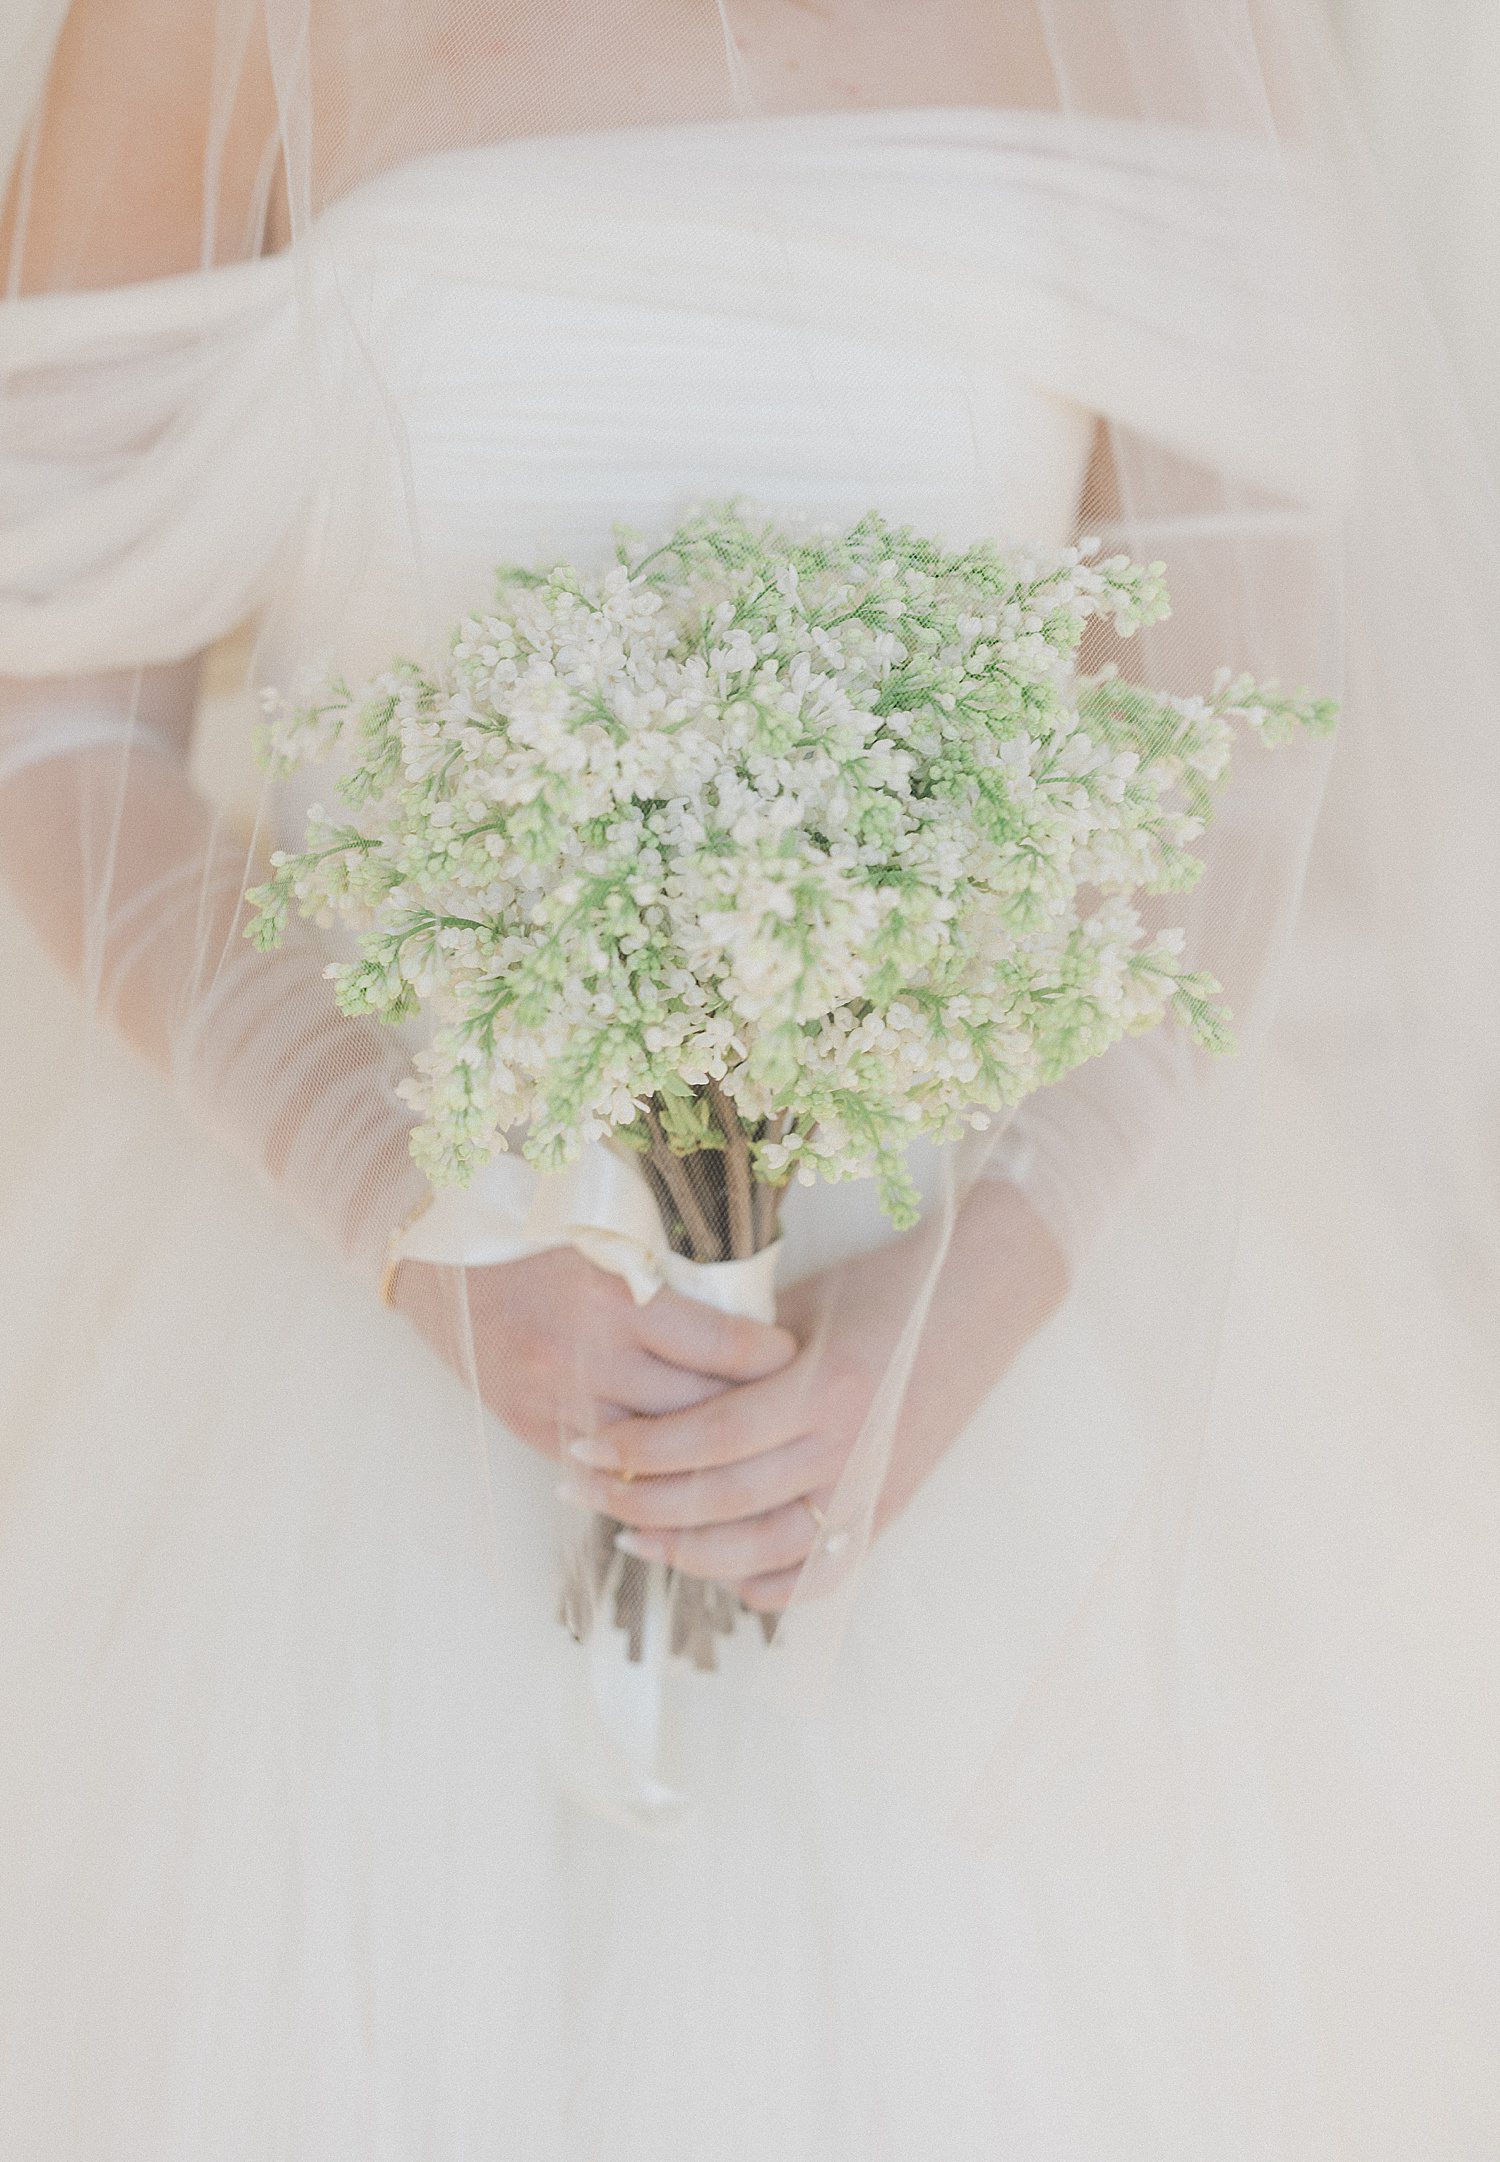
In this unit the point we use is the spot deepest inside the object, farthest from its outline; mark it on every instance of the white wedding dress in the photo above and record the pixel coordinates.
(286, 1869)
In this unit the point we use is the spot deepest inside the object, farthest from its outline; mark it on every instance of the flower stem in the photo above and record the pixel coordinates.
(738, 1181)
(678, 1181)
(768, 1198)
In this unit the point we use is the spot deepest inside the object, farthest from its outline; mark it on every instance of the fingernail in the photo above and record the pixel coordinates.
(597, 1455)
(631, 1542)
(573, 1495)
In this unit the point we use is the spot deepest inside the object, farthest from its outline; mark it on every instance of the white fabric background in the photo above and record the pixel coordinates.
(1427, 73)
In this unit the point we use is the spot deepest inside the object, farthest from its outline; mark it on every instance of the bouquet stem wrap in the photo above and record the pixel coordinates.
(703, 1226)
(720, 1226)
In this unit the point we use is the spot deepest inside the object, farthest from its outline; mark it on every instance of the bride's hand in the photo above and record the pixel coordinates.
(560, 1348)
(722, 1489)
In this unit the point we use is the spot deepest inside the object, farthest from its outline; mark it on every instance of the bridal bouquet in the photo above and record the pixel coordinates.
(763, 852)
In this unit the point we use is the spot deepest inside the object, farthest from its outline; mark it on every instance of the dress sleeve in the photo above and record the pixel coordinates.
(153, 448)
(1166, 293)
(151, 442)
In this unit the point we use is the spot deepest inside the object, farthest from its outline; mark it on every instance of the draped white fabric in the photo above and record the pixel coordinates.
(1131, 1799)
(1428, 88)
(142, 512)
(117, 550)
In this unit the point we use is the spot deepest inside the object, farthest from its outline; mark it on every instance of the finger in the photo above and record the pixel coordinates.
(727, 1553)
(689, 1334)
(690, 1500)
(770, 1594)
(747, 1421)
(554, 1428)
(649, 1388)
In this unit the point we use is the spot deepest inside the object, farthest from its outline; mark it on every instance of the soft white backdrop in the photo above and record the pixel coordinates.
(1427, 73)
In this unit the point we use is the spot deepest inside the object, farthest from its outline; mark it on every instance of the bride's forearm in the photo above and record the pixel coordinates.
(1000, 1279)
(96, 811)
(131, 881)
(1003, 1277)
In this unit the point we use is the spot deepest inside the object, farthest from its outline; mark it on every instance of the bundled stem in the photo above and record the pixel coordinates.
(673, 1173)
(714, 1209)
(712, 1203)
(739, 1179)
(767, 1202)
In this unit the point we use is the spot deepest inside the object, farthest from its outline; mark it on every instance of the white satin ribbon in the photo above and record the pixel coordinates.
(614, 1734)
(602, 1205)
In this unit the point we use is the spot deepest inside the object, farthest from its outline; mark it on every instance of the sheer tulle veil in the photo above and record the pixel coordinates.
(1184, 243)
